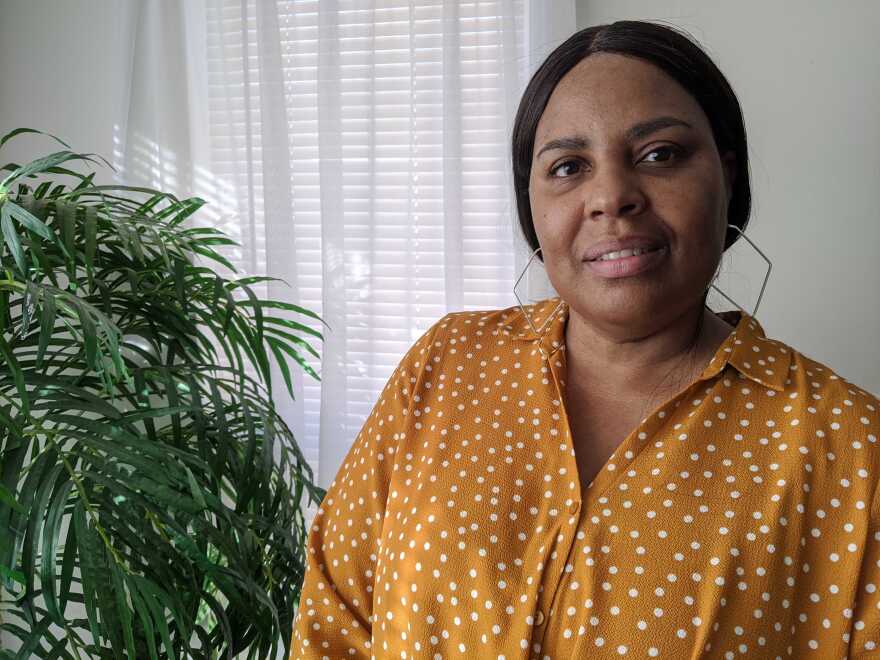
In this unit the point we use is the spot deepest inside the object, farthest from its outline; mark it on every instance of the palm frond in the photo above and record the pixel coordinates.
(150, 494)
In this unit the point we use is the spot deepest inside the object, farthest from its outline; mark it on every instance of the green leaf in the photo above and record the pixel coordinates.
(47, 328)
(258, 311)
(146, 620)
(17, 376)
(122, 608)
(8, 574)
(41, 164)
(296, 356)
(50, 532)
(283, 367)
(179, 282)
(91, 240)
(68, 563)
(275, 304)
(19, 131)
(293, 325)
(277, 334)
(42, 189)
(91, 554)
(195, 489)
(141, 189)
(29, 220)
(85, 182)
(68, 231)
(27, 305)
(203, 249)
(10, 236)
(9, 499)
(156, 600)
(36, 515)
(182, 210)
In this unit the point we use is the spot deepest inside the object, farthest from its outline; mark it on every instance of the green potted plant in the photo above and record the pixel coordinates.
(150, 494)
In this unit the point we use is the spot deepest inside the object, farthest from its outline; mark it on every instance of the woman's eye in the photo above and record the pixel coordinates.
(666, 152)
(674, 151)
(563, 164)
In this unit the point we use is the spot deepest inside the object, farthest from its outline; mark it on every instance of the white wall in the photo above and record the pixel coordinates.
(806, 77)
(79, 98)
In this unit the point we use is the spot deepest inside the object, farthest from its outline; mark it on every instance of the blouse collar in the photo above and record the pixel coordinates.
(747, 349)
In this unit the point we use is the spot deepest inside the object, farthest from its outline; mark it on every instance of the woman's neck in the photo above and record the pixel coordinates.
(634, 362)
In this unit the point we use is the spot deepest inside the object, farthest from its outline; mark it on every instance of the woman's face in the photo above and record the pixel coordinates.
(668, 184)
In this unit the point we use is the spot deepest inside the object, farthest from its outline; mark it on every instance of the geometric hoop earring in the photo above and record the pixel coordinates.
(763, 285)
(550, 317)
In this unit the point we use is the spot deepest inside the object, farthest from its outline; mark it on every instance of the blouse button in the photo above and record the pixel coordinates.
(539, 618)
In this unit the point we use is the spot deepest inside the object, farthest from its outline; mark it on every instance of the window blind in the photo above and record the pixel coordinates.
(362, 150)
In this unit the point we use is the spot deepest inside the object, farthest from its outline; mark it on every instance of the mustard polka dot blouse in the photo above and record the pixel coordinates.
(740, 518)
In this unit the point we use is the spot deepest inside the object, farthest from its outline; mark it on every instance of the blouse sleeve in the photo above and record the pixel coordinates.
(334, 617)
(865, 635)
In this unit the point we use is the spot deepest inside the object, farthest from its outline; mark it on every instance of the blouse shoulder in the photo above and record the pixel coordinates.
(844, 415)
(493, 321)
(822, 382)
(454, 340)
(468, 333)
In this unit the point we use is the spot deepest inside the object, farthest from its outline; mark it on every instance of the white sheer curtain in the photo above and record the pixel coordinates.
(357, 150)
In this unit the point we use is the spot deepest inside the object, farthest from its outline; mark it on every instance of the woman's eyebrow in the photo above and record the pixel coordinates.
(635, 132)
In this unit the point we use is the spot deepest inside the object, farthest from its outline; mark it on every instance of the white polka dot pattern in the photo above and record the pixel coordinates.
(741, 517)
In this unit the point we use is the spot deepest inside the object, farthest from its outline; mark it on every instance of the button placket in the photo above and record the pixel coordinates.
(557, 365)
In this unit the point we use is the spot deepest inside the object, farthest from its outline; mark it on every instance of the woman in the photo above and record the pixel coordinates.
(508, 497)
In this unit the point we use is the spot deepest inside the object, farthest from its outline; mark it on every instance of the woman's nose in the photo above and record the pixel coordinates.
(612, 191)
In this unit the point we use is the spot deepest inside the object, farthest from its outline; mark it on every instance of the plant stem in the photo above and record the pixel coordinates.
(88, 505)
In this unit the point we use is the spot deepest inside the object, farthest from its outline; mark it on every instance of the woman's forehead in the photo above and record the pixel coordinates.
(606, 92)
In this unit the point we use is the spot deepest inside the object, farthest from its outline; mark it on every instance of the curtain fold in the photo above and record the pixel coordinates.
(359, 151)
(338, 280)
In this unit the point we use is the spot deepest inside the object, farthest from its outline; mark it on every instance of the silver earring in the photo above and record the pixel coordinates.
(550, 317)
(763, 285)
(546, 323)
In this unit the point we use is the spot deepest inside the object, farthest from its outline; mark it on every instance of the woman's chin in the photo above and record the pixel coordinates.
(641, 307)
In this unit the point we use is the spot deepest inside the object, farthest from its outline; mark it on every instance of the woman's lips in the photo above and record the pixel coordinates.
(628, 266)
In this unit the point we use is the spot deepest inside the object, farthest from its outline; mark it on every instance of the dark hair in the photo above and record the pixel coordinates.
(665, 47)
